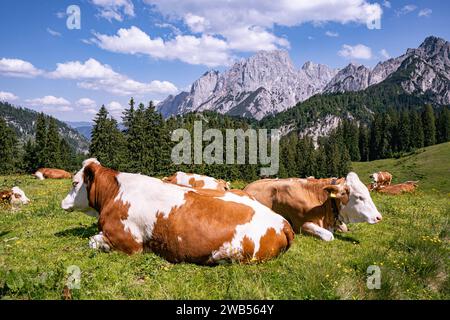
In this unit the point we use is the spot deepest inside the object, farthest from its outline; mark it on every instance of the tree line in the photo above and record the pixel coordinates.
(47, 149)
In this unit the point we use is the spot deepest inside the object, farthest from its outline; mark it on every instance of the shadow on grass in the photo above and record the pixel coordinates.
(80, 232)
(347, 238)
(4, 233)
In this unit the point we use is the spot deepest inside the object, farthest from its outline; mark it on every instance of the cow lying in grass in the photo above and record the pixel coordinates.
(315, 206)
(197, 181)
(381, 179)
(14, 197)
(138, 213)
(50, 173)
(397, 189)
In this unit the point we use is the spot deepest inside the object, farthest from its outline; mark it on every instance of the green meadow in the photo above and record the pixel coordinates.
(42, 248)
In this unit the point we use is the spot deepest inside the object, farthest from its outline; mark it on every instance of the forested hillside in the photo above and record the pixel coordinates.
(23, 122)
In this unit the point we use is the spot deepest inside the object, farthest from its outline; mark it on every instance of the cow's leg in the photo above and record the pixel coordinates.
(314, 230)
(99, 242)
(120, 239)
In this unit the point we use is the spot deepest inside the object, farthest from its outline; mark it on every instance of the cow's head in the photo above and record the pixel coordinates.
(77, 199)
(356, 204)
(18, 196)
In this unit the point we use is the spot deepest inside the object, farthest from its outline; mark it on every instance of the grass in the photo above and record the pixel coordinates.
(40, 242)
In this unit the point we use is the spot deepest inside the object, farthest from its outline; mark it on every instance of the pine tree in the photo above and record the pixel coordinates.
(351, 139)
(443, 126)
(404, 132)
(30, 159)
(429, 126)
(107, 143)
(52, 152)
(8, 148)
(364, 143)
(41, 140)
(66, 154)
(417, 137)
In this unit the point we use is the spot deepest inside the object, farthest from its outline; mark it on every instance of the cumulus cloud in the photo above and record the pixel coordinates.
(358, 51)
(221, 28)
(205, 49)
(425, 13)
(18, 68)
(7, 96)
(115, 109)
(114, 9)
(86, 103)
(51, 104)
(94, 75)
(236, 20)
(332, 34)
(387, 4)
(48, 101)
(53, 32)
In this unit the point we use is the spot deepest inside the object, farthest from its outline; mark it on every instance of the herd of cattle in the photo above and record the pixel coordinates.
(194, 218)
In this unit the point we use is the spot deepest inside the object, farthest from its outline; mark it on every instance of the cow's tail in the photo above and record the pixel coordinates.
(289, 233)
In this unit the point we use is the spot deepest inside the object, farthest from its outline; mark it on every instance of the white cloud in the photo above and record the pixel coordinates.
(53, 109)
(238, 21)
(7, 96)
(115, 109)
(53, 32)
(18, 68)
(384, 54)
(358, 51)
(94, 75)
(205, 50)
(387, 4)
(48, 101)
(114, 9)
(425, 13)
(60, 14)
(90, 69)
(406, 9)
(90, 111)
(332, 34)
(86, 103)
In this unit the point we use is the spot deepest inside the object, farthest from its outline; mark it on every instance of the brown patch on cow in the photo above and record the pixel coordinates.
(102, 188)
(271, 243)
(5, 196)
(196, 183)
(398, 189)
(51, 173)
(249, 248)
(300, 200)
(222, 185)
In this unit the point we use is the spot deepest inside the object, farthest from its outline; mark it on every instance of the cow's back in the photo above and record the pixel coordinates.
(51, 173)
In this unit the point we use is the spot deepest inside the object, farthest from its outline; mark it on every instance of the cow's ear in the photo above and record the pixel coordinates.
(336, 191)
(88, 175)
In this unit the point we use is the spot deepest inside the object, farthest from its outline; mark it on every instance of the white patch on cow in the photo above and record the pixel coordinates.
(98, 242)
(19, 196)
(147, 197)
(360, 207)
(263, 219)
(183, 179)
(39, 175)
(179, 239)
(322, 233)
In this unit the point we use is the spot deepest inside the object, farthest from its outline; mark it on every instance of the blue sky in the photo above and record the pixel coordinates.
(151, 48)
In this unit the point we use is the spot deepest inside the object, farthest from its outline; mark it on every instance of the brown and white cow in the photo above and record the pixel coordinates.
(197, 181)
(396, 189)
(380, 179)
(50, 173)
(315, 207)
(15, 196)
(138, 213)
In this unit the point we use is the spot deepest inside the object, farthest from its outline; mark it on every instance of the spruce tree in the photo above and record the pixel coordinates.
(364, 143)
(52, 152)
(8, 148)
(443, 126)
(404, 132)
(429, 126)
(41, 140)
(30, 161)
(417, 137)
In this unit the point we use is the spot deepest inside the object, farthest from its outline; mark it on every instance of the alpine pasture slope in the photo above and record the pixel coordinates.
(40, 242)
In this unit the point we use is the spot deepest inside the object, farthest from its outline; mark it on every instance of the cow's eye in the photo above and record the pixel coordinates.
(74, 184)
(18, 195)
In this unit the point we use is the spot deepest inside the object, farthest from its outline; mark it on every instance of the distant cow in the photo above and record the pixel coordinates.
(380, 179)
(138, 213)
(316, 207)
(50, 173)
(197, 181)
(15, 196)
(396, 189)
